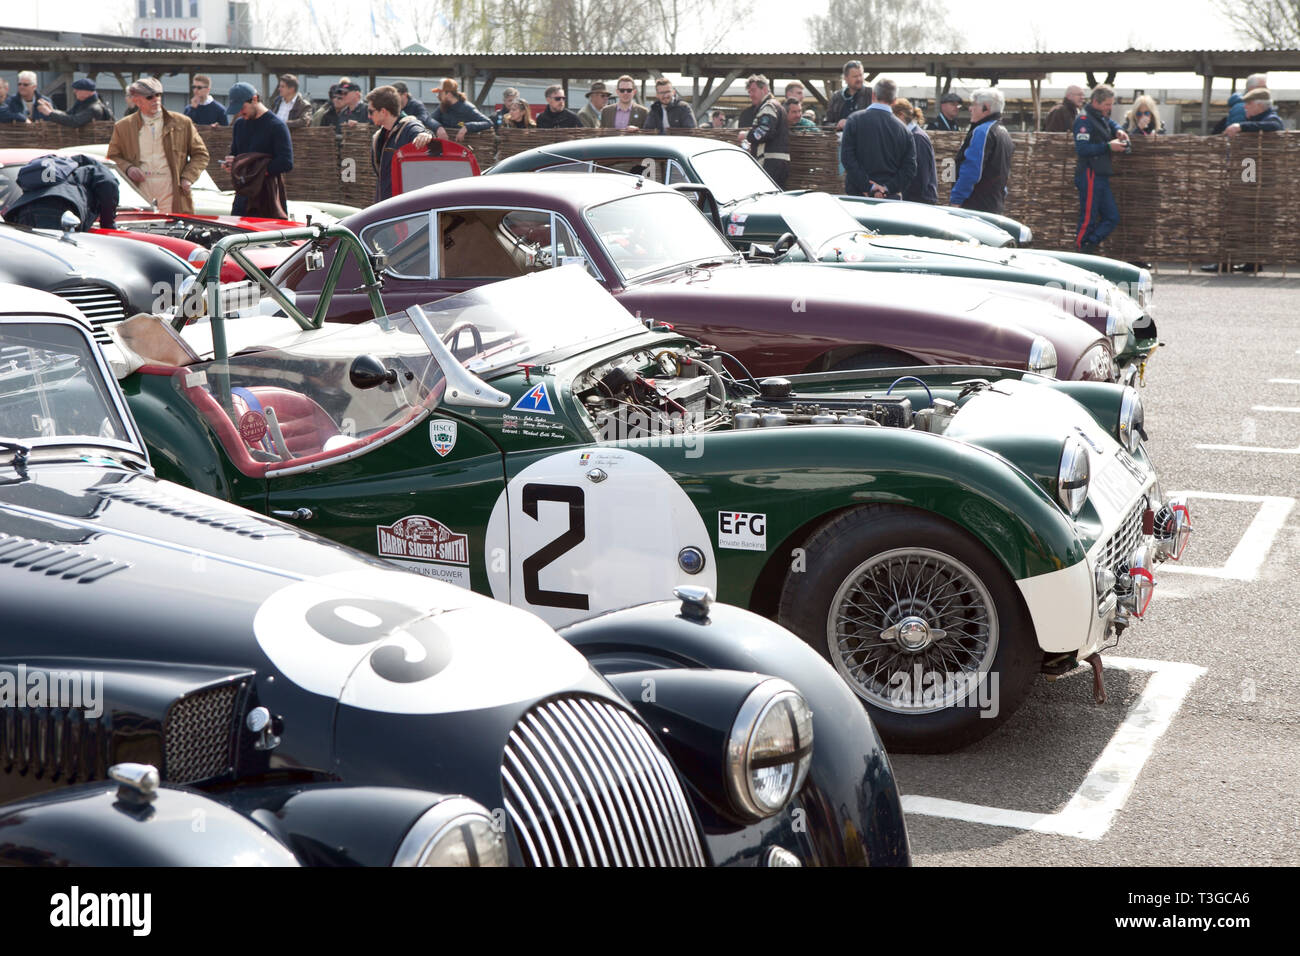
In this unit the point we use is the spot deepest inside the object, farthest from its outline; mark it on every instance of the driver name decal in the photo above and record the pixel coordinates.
(537, 399)
(742, 531)
(426, 545)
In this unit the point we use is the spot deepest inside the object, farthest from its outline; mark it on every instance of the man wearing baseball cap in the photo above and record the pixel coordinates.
(457, 113)
(261, 152)
(159, 151)
(597, 100)
(86, 107)
(345, 106)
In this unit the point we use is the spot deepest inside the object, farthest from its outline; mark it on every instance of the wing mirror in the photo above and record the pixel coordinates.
(368, 372)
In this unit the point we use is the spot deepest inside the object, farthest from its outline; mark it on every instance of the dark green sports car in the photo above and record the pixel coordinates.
(941, 535)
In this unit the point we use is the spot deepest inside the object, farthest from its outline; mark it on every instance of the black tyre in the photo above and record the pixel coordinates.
(921, 621)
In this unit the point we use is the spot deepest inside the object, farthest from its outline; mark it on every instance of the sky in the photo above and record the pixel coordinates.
(1005, 25)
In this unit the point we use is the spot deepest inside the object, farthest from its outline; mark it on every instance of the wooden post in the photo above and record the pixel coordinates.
(1206, 88)
(1036, 91)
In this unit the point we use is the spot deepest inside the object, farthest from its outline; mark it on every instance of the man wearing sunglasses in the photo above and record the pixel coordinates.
(668, 111)
(159, 151)
(25, 106)
(202, 108)
(555, 116)
(625, 112)
(344, 107)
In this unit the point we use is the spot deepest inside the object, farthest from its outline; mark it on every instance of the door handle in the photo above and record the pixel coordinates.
(297, 514)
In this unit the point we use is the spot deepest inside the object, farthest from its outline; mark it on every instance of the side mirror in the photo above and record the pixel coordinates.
(368, 372)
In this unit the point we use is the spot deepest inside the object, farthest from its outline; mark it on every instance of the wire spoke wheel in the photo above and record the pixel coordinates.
(913, 631)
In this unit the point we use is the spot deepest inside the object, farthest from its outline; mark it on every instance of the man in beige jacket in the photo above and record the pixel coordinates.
(160, 151)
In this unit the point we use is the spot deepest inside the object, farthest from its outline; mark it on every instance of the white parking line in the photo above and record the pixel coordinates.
(1261, 449)
(1103, 793)
(1284, 381)
(1252, 550)
(1275, 408)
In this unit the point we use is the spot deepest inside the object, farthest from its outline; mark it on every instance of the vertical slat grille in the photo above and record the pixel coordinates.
(58, 744)
(1121, 544)
(585, 785)
(199, 737)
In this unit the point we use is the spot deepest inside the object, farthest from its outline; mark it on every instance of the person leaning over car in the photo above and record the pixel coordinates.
(202, 108)
(457, 113)
(555, 116)
(395, 130)
(924, 186)
(292, 107)
(1260, 115)
(878, 153)
(160, 151)
(668, 111)
(87, 108)
(55, 185)
(984, 160)
(625, 112)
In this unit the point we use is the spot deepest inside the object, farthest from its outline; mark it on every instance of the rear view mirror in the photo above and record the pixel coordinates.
(368, 372)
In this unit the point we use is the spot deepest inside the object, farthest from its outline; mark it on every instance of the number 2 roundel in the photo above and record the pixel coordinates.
(568, 547)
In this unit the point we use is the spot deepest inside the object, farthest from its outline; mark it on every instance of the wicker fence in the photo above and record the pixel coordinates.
(1182, 198)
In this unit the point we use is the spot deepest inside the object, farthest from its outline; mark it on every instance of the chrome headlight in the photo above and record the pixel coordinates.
(770, 749)
(1073, 476)
(1146, 289)
(456, 832)
(1118, 326)
(1132, 420)
(1042, 357)
(1026, 235)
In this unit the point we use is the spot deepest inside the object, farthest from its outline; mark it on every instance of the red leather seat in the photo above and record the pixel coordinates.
(305, 425)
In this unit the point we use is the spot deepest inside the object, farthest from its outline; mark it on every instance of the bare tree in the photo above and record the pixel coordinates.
(1271, 24)
(852, 25)
(713, 21)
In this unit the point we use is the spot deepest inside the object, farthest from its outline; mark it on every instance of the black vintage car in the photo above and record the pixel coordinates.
(184, 682)
(106, 277)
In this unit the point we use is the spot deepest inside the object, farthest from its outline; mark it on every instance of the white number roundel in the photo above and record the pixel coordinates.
(402, 643)
(582, 532)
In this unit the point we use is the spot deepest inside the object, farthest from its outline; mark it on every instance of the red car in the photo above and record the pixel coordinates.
(187, 235)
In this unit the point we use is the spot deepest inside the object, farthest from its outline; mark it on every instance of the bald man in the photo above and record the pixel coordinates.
(1061, 119)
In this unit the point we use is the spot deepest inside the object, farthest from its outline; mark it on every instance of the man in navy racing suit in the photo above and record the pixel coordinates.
(1096, 138)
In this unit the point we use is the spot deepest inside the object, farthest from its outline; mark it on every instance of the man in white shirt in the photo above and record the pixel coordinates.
(292, 107)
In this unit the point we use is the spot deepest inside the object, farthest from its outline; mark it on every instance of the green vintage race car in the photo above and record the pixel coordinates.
(748, 200)
(941, 535)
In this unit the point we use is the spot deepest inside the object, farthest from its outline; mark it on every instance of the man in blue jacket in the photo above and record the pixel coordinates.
(878, 153)
(1259, 116)
(1237, 101)
(1097, 138)
(984, 160)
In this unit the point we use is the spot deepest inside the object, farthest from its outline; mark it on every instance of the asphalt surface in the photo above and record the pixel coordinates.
(1221, 784)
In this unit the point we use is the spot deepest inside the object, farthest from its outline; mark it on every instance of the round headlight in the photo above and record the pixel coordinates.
(455, 832)
(1132, 420)
(1042, 357)
(770, 749)
(1118, 326)
(1073, 476)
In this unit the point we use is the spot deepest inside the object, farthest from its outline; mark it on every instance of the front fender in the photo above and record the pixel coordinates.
(851, 812)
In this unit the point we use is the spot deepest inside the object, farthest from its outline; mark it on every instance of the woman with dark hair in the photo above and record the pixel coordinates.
(519, 116)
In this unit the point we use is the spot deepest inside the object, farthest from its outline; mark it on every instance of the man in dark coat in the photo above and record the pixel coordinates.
(202, 109)
(878, 153)
(984, 160)
(1097, 138)
(1061, 118)
(53, 185)
(258, 132)
(946, 119)
(27, 105)
(769, 137)
(853, 97)
(668, 111)
(555, 116)
(412, 106)
(456, 113)
(1260, 115)
(395, 130)
(87, 107)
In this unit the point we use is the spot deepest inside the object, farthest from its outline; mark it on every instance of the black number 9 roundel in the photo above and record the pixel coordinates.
(357, 621)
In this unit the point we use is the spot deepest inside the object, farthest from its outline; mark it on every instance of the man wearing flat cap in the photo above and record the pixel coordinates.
(597, 100)
(86, 107)
(159, 151)
(946, 120)
(1260, 115)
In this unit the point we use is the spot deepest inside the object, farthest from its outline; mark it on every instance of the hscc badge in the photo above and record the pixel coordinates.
(442, 436)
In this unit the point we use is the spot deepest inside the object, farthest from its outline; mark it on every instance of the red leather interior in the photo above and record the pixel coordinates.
(305, 425)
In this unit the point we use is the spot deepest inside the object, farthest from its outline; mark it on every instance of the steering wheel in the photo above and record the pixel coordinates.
(784, 244)
(453, 336)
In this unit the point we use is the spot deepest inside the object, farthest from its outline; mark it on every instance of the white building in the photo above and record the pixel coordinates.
(215, 23)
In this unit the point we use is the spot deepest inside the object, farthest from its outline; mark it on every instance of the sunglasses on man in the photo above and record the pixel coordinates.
(558, 99)
(627, 89)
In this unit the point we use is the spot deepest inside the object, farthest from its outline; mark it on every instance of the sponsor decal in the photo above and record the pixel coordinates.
(739, 216)
(423, 538)
(537, 399)
(252, 427)
(733, 229)
(442, 436)
(742, 531)
(1083, 135)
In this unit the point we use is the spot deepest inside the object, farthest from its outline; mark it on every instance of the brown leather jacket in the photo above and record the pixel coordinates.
(263, 194)
(187, 156)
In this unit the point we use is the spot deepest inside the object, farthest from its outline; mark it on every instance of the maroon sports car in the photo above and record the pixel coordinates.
(652, 249)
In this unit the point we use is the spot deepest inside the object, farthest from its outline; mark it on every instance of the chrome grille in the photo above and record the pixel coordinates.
(102, 306)
(585, 785)
(1120, 545)
(198, 736)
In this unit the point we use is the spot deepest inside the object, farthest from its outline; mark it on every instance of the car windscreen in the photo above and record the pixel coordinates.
(652, 231)
(816, 218)
(543, 314)
(52, 388)
(9, 188)
(732, 174)
(318, 394)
